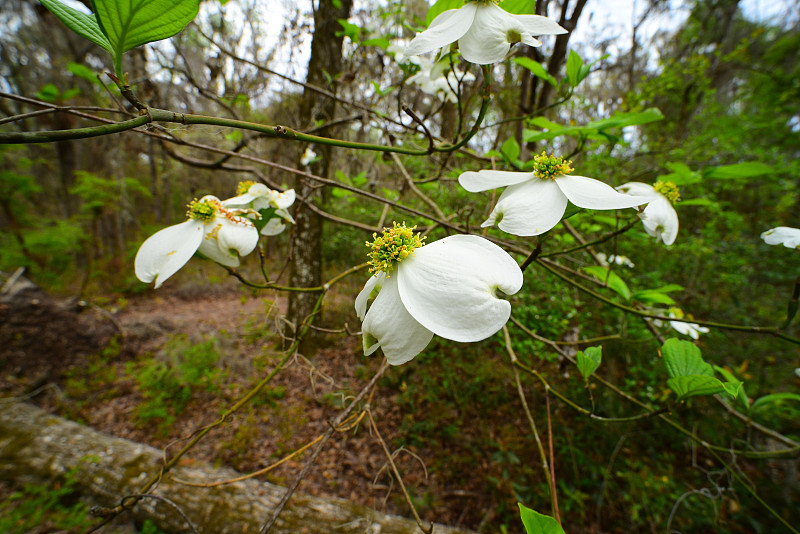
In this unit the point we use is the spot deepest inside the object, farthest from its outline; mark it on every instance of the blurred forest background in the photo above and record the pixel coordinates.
(699, 92)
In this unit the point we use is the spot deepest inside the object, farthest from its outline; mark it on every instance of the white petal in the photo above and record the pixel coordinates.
(487, 41)
(661, 220)
(444, 29)
(285, 199)
(789, 237)
(240, 201)
(374, 281)
(538, 25)
(530, 208)
(638, 189)
(391, 327)
(475, 182)
(594, 194)
(224, 239)
(530, 41)
(449, 286)
(273, 227)
(166, 251)
(285, 215)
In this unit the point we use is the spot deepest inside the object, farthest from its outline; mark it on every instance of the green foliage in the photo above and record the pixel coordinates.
(37, 505)
(537, 69)
(690, 376)
(120, 26)
(536, 523)
(589, 360)
(168, 385)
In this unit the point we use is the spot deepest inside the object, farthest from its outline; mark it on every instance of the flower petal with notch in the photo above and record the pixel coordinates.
(484, 31)
(659, 217)
(211, 230)
(257, 196)
(782, 235)
(534, 202)
(447, 288)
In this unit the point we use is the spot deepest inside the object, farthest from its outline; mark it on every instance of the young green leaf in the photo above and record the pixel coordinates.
(747, 169)
(510, 149)
(136, 22)
(589, 360)
(574, 64)
(611, 279)
(536, 523)
(683, 358)
(695, 385)
(762, 402)
(690, 376)
(536, 68)
(81, 23)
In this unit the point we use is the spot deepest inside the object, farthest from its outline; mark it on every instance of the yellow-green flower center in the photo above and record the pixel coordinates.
(668, 190)
(394, 245)
(202, 210)
(244, 187)
(484, 2)
(550, 167)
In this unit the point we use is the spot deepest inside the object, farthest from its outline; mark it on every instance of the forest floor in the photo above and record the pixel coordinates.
(185, 356)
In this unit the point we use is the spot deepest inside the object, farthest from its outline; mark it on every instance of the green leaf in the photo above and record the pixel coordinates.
(84, 25)
(536, 523)
(623, 119)
(48, 93)
(82, 71)
(440, 7)
(762, 402)
(695, 385)
(136, 22)
(653, 296)
(380, 42)
(744, 402)
(574, 64)
(683, 358)
(669, 288)
(352, 31)
(536, 68)
(589, 360)
(519, 7)
(747, 169)
(510, 149)
(690, 376)
(611, 279)
(681, 174)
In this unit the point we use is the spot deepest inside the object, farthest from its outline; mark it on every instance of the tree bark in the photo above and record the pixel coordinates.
(37, 447)
(306, 260)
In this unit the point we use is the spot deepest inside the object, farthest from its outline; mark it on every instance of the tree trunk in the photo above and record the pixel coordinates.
(37, 447)
(306, 260)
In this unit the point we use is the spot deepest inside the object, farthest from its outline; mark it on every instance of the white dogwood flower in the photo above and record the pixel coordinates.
(212, 230)
(308, 156)
(256, 197)
(484, 31)
(534, 202)
(782, 235)
(622, 261)
(447, 288)
(659, 217)
(437, 79)
(693, 330)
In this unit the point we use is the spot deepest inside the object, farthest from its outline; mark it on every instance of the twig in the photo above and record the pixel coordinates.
(321, 445)
(396, 472)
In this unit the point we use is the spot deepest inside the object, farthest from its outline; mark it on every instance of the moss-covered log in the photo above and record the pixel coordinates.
(38, 447)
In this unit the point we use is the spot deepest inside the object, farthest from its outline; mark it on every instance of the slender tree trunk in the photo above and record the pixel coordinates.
(306, 261)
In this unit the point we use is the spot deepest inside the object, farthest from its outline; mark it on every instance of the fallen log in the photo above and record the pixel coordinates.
(37, 447)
